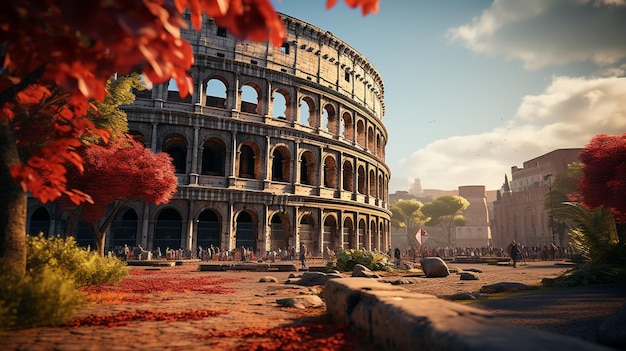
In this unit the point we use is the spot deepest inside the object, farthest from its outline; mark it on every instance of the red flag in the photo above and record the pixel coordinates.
(421, 236)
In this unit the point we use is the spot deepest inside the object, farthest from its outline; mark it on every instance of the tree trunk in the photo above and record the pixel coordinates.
(98, 237)
(12, 204)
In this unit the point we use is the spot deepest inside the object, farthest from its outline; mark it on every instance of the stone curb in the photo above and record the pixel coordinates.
(396, 319)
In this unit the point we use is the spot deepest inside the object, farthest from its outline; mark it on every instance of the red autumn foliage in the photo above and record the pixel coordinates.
(47, 125)
(124, 170)
(124, 317)
(603, 183)
(314, 334)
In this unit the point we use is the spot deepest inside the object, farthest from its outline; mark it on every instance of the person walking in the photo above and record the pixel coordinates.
(514, 253)
(303, 253)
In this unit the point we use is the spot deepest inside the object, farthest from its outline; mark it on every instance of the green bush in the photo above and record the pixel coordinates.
(48, 294)
(42, 298)
(592, 273)
(347, 259)
(82, 266)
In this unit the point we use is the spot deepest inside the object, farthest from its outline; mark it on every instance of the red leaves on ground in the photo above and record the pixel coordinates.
(124, 317)
(315, 334)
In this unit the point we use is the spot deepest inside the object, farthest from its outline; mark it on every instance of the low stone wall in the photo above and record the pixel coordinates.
(396, 319)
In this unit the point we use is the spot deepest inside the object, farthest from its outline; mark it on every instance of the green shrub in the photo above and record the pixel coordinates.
(42, 298)
(82, 266)
(592, 273)
(347, 259)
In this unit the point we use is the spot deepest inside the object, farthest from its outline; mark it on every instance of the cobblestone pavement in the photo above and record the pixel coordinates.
(574, 312)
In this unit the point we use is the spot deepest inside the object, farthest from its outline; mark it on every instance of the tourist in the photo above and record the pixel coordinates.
(303, 253)
(514, 253)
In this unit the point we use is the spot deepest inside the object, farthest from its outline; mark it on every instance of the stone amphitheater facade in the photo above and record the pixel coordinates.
(276, 147)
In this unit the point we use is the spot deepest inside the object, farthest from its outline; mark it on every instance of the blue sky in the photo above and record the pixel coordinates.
(475, 87)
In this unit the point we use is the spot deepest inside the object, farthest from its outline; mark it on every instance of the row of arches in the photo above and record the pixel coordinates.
(281, 231)
(281, 163)
(310, 110)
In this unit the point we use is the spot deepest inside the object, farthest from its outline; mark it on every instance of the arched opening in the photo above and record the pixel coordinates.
(176, 146)
(279, 105)
(330, 239)
(279, 238)
(168, 230)
(245, 235)
(307, 168)
(347, 127)
(347, 176)
(216, 93)
(247, 162)
(360, 133)
(361, 234)
(280, 164)
(330, 172)
(138, 137)
(250, 99)
(124, 229)
(373, 242)
(208, 231)
(307, 233)
(40, 222)
(372, 189)
(214, 157)
(330, 119)
(347, 237)
(361, 180)
(173, 93)
(307, 112)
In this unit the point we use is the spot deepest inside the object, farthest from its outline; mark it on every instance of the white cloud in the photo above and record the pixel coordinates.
(548, 32)
(566, 115)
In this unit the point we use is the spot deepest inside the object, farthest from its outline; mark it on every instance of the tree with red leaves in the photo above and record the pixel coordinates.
(603, 183)
(120, 172)
(76, 46)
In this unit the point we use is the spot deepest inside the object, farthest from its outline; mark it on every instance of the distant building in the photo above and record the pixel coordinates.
(476, 232)
(518, 212)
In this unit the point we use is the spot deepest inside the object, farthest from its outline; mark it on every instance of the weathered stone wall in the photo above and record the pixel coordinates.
(396, 319)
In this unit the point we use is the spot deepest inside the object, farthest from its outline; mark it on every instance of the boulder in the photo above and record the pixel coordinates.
(363, 272)
(469, 276)
(302, 302)
(434, 267)
(268, 279)
(312, 278)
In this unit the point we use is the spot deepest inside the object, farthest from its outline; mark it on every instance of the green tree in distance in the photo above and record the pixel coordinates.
(407, 214)
(445, 213)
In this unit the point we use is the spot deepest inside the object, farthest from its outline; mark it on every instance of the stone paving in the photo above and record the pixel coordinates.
(575, 312)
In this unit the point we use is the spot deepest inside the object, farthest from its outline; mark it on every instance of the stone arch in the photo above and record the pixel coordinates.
(124, 228)
(214, 157)
(330, 172)
(138, 137)
(168, 229)
(39, 222)
(330, 119)
(281, 103)
(370, 140)
(307, 232)
(372, 188)
(279, 231)
(245, 231)
(173, 94)
(308, 169)
(347, 131)
(361, 179)
(372, 240)
(176, 146)
(249, 161)
(360, 133)
(361, 232)
(251, 98)
(330, 238)
(348, 234)
(216, 92)
(307, 112)
(281, 164)
(208, 229)
(348, 176)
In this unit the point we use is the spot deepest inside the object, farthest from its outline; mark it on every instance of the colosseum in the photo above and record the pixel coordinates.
(277, 147)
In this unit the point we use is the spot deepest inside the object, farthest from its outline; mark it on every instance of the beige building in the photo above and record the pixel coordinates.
(519, 212)
(476, 231)
(276, 147)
